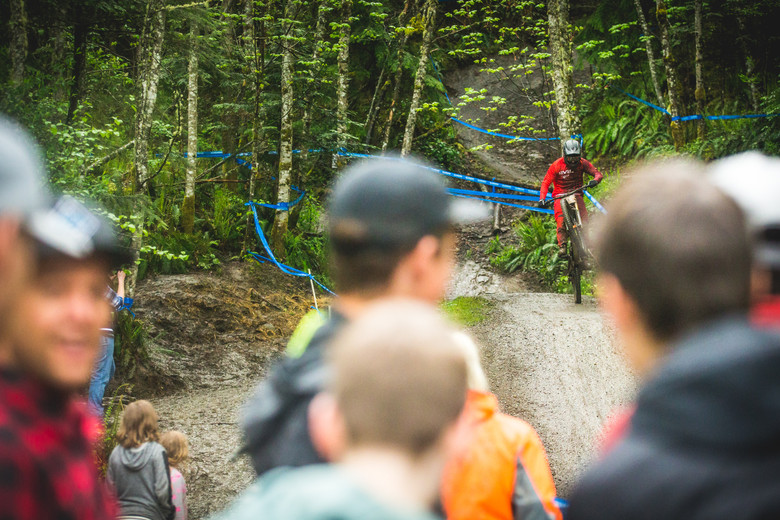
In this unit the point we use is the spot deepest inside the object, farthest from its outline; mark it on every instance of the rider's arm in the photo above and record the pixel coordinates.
(548, 179)
(591, 170)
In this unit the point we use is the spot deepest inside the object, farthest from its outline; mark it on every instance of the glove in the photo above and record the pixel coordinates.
(543, 203)
(592, 183)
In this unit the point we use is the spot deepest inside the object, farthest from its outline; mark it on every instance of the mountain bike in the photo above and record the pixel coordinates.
(580, 257)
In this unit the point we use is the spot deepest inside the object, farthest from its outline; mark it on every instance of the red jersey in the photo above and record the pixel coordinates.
(565, 179)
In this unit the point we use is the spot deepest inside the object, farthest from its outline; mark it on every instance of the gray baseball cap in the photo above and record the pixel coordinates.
(66, 227)
(392, 203)
(22, 191)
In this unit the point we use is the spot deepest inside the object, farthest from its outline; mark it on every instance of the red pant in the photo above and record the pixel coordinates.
(559, 217)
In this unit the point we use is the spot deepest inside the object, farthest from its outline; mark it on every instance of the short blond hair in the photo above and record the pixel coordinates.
(398, 376)
(139, 425)
(177, 447)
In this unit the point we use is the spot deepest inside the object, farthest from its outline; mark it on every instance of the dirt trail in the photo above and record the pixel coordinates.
(553, 363)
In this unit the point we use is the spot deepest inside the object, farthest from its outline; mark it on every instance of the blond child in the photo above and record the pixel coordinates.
(138, 466)
(175, 443)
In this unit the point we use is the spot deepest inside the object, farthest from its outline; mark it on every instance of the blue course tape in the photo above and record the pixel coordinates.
(281, 206)
(271, 258)
(127, 303)
(529, 208)
(695, 117)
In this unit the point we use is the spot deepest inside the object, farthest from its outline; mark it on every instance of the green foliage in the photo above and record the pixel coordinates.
(229, 217)
(131, 344)
(308, 252)
(194, 250)
(467, 310)
(112, 418)
(536, 251)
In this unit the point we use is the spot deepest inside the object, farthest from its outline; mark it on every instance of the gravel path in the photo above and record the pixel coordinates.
(553, 363)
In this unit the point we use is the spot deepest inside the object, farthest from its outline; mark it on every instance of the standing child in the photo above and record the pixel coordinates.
(138, 466)
(175, 444)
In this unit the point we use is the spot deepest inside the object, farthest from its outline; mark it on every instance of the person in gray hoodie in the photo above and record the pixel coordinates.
(138, 466)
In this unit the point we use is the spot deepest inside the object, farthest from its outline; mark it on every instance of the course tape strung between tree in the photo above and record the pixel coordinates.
(694, 117)
(481, 195)
(269, 257)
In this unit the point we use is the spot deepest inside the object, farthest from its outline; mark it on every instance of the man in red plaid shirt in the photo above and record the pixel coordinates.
(53, 266)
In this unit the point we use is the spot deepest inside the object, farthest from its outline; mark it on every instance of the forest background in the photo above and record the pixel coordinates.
(123, 94)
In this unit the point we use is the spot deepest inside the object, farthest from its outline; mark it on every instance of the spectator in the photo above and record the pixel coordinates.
(390, 225)
(501, 472)
(702, 442)
(753, 180)
(105, 366)
(177, 447)
(53, 264)
(138, 466)
(387, 419)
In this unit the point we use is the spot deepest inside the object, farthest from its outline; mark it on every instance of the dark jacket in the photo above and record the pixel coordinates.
(275, 422)
(704, 442)
(142, 480)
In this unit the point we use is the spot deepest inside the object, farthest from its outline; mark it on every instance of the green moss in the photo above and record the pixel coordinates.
(467, 310)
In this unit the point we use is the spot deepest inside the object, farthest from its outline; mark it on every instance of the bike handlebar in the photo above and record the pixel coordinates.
(549, 201)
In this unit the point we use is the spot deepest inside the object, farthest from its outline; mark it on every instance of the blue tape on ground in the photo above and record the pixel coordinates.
(271, 258)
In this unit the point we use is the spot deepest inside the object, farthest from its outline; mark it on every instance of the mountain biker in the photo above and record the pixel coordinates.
(566, 174)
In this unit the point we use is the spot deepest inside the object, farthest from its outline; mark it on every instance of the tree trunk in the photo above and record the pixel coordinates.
(319, 37)
(149, 62)
(749, 64)
(700, 93)
(403, 19)
(80, 31)
(563, 78)
(256, 62)
(419, 77)
(188, 210)
(18, 44)
(342, 118)
(58, 51)
(373, 109)
(671, 73)
(650, 53)
(281, 218)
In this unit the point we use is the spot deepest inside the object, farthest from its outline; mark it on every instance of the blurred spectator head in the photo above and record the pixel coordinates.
(139, 425)
(54, 325)
(673, 252)
(177, 447)
(22, 195)
(399, 382)
(753, 180)
(391, 227)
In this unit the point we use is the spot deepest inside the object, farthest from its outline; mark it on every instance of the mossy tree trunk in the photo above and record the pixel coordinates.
(672, 83)
(17, 49)
(419, 78)
(188, 209)
(700, 93)
(647, 37)
(559, 41)
(149, 64)
(281, 218)
(403, 19)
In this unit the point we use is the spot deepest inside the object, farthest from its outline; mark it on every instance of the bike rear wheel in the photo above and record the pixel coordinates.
(575, 277)
(577, 254)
